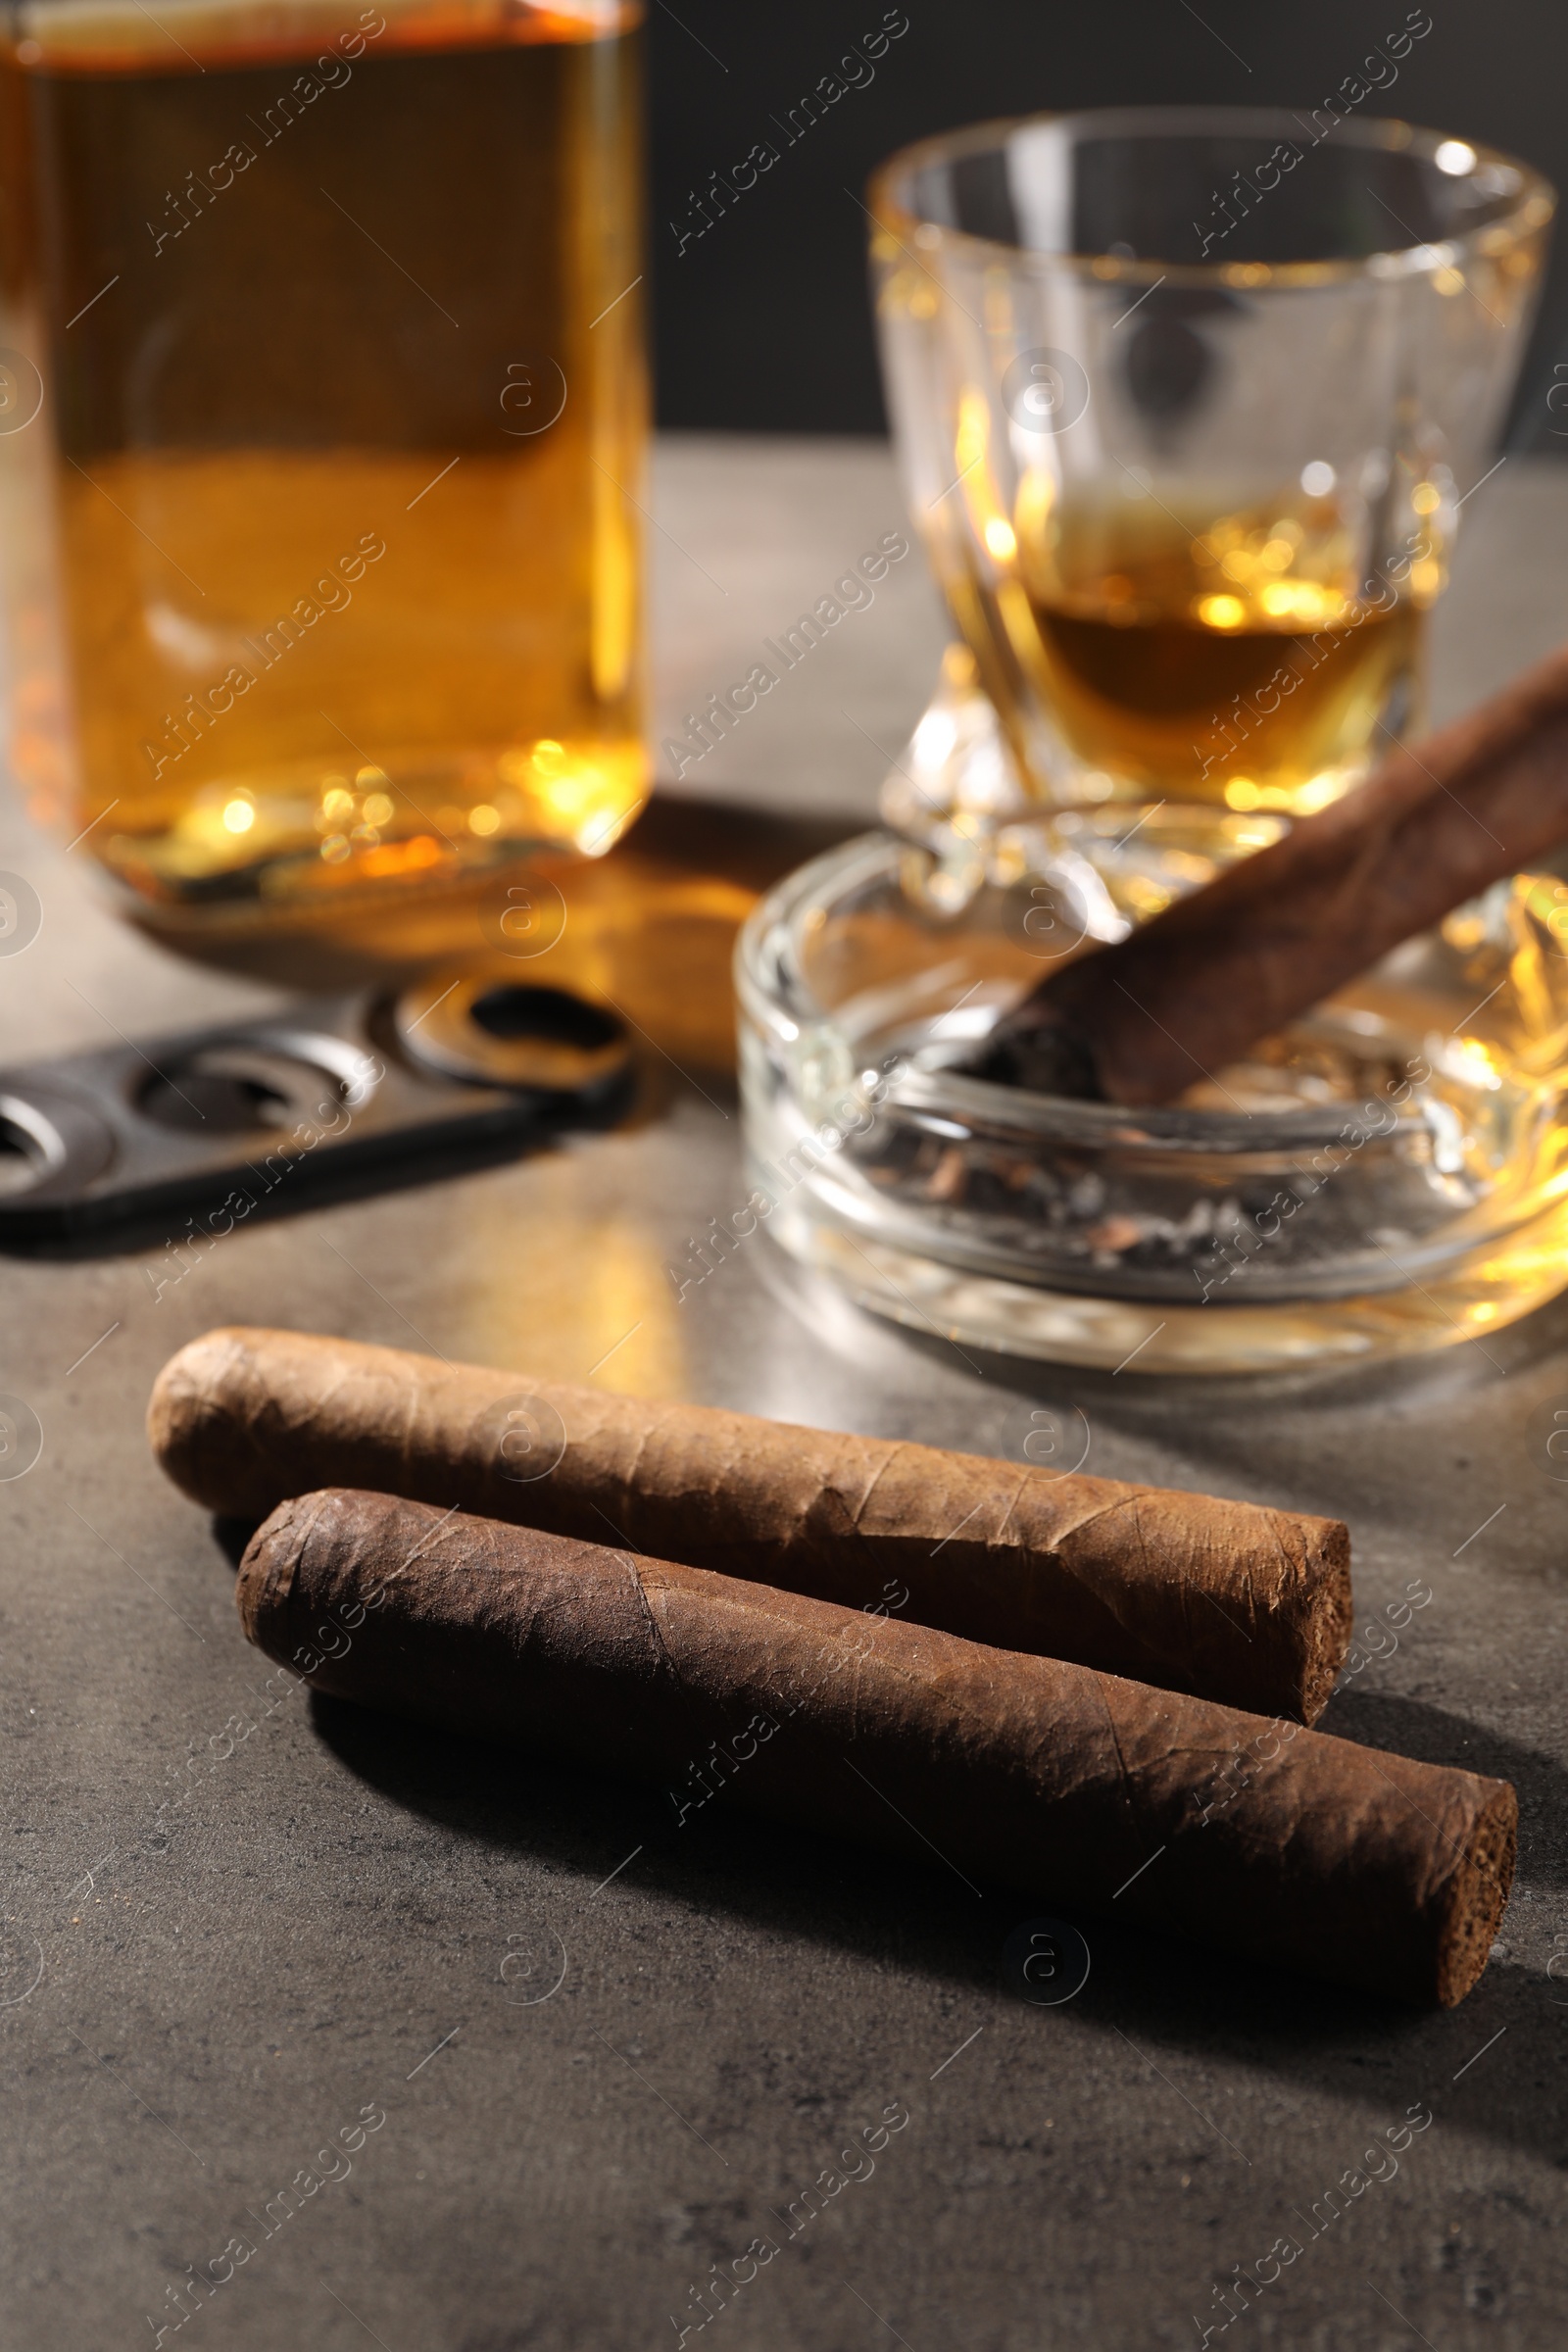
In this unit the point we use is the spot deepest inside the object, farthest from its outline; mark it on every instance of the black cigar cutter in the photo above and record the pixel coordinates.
(337, 1094)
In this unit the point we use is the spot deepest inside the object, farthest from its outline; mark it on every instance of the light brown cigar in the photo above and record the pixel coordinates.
(1239, 1603)
(1067, 1785)
(1141, 1021)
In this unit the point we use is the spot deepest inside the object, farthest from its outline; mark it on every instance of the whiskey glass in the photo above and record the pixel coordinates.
(1187, 403)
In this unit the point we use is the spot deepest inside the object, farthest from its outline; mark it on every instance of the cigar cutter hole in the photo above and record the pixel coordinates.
(481, 1026)
(245, 1089)
(39, 1140)
(463, 1064)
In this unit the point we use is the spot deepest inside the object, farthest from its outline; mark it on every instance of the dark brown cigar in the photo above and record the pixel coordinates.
(1253, 1837)
(1240, 1603)
(1141, 1021)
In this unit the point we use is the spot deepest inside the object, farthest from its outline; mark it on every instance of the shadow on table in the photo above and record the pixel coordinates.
(650, 927)
(1160, 1995)
(1408, 1727)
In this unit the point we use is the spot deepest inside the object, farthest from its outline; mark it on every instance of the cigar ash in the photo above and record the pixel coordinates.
(1334, 1145)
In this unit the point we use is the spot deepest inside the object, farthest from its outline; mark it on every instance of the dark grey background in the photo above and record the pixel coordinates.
(763, 322)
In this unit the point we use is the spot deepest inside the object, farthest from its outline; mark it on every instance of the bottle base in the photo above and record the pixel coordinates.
(310, 835)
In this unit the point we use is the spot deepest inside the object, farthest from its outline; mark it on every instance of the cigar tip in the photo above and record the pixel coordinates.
(1476, 1893)
(199, 1420)
(1043, 1051)
(270, 1560)
(1329, 1620)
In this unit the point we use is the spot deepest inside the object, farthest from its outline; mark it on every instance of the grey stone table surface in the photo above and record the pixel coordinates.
(593, 2057)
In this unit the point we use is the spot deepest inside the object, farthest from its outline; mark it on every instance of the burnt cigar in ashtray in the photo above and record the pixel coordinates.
(1255, 1838)
(1230, 1599)
(1141, 1021)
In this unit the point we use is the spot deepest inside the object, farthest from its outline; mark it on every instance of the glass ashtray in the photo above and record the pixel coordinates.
(1388, 1176)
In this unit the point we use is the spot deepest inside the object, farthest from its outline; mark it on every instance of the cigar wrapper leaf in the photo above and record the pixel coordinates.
(1227, 1599)
(1272, 935)
(1255, 1838)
